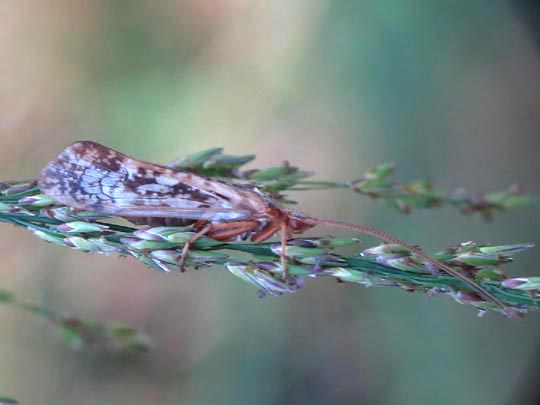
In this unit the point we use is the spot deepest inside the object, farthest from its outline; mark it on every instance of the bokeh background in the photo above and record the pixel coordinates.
(449, 90)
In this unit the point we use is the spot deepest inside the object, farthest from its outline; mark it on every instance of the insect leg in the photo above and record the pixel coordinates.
(283, 247)
(268, 233)
(187, 245)
(224, 231)
(230, 230)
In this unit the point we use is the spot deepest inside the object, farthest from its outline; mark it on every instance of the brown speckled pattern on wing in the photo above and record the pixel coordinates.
(90, 176)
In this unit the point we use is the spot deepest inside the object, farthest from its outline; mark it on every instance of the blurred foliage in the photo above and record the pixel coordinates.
(84, 334)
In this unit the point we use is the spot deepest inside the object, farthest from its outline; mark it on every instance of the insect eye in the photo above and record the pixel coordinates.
(297, 223)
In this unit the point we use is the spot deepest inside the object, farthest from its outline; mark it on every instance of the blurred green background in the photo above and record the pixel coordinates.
(449, 90)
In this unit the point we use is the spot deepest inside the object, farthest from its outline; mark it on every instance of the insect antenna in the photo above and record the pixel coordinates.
(389, 238)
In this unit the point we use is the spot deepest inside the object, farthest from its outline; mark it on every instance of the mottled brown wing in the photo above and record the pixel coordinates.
(90, 176)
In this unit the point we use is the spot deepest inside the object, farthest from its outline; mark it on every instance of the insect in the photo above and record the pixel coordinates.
(90, 176)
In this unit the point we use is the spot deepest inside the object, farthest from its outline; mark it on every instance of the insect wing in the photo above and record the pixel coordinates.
(90, 176)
